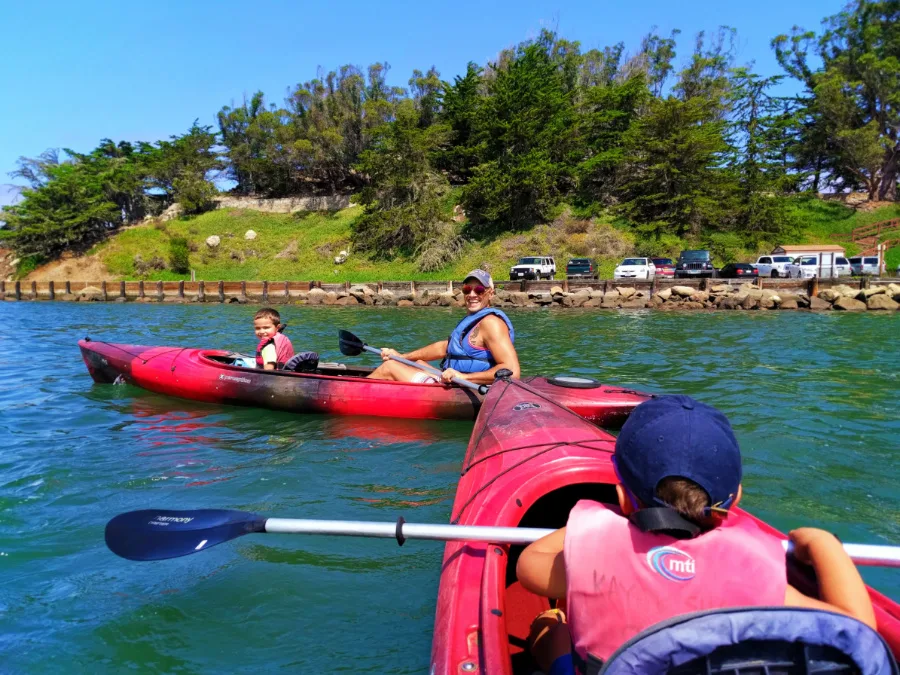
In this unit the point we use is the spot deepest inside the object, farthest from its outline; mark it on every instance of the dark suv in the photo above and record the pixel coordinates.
(694, 264)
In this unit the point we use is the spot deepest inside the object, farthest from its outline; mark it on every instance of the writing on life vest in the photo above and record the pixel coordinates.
(671, 563)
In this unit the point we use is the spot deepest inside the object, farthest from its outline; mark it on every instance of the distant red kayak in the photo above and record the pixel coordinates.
(528, 462)
(338, 389)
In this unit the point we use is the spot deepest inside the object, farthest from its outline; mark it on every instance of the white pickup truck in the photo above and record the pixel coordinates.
(773, 265)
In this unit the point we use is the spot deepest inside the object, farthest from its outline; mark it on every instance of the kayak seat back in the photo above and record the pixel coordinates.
(753, 641)
(302, 362)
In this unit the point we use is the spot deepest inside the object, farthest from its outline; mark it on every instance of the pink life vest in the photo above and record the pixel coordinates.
(621, 580)
(283, 349)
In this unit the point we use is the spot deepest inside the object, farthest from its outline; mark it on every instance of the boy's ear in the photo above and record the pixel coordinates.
(739, 495)
(624, 502)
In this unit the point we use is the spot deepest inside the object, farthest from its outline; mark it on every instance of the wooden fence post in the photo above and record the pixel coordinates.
(68, 288)
(565, 285)
(287, 290)
(122, 290)
(201, 292)
(812, 288)
(181, 289)
(34, 290)
(159, 291)
(103, 291)
(140, 289)
(52, 291)
(18, 290)
(221, 291)
(2, 289)
(265, 297)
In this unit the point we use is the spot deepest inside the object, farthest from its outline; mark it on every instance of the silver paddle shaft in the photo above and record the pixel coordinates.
(429, 369)
(862, 554)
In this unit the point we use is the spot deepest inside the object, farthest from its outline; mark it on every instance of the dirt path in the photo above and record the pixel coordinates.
(70, 268)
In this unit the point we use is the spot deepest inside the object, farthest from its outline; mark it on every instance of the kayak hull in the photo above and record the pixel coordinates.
(527, 465)
(206, 375)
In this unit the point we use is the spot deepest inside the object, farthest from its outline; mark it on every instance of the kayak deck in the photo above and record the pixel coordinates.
(527, 464)
(211, 376)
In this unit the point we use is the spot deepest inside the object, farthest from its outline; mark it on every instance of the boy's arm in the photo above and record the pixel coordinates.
(542, 568)
(841, 588)
(270, 357)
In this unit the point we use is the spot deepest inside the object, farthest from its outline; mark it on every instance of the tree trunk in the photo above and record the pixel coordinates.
(887, 191)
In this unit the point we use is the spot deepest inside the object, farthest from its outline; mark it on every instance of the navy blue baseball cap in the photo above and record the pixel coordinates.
(673, 436)
(483, 277)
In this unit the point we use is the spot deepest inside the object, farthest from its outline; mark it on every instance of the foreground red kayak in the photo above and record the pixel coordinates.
(528, 462)
(209, 375)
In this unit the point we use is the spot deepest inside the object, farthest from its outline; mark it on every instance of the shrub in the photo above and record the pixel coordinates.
(27, 265)
(194, 194)
(179, 255)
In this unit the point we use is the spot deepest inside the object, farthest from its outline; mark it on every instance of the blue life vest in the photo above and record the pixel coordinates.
(461, 355)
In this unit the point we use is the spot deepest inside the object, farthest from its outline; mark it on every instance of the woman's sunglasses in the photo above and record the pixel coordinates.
(479, 289)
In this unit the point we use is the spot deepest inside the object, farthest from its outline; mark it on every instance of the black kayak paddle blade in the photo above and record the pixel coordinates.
(158, 534)
(350, 345)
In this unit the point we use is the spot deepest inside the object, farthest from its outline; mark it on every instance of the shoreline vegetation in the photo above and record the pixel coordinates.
(548, 149)
(302, 245)
(863, 294)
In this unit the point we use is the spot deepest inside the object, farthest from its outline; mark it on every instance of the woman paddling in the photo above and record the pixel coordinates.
(479, 346)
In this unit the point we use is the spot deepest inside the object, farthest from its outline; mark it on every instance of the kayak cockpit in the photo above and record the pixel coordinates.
(241, 361)
(521, 606)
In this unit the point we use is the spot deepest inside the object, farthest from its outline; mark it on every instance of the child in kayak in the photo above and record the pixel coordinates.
(274, 348)
(671, 548)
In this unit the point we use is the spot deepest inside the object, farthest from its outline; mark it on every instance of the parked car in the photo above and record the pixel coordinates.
(582, 268)
(664, 267)
(842, 265)
(543, 267)
(635, 268)
(864, 265)
(739, 271)
(696, 263)
(773, 265)
(810, 265)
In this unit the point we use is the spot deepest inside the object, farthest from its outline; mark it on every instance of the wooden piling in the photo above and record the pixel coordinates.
(52, 291)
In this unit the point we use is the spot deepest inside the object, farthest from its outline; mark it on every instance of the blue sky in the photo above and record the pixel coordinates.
(72, 73)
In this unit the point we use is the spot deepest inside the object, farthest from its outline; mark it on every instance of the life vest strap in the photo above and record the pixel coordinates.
(665, 520)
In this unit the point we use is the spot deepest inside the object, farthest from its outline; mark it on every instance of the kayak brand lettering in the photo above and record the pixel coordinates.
(232, 378)
(671, 563)
(165, 520)
(525, 405)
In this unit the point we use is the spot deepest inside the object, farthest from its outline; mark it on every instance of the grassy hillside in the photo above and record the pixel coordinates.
(303, 246)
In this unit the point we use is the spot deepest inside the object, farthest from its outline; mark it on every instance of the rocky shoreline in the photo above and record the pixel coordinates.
(601, 295)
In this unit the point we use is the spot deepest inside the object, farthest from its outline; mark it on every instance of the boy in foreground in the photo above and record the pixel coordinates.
(673, 547)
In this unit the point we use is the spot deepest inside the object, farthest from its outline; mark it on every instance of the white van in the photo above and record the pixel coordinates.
(864, 265)
(809, 265)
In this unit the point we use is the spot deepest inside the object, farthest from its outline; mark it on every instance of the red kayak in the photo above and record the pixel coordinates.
(528, 462)
(210, 375)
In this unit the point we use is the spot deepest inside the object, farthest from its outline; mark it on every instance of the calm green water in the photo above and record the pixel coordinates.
(814, 399)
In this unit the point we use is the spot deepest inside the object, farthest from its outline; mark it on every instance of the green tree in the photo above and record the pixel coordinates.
(460, 104)
(853, 100)
(404, 201)
(524, 129)
(70, 210)
(672, 182)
